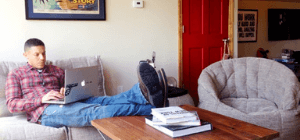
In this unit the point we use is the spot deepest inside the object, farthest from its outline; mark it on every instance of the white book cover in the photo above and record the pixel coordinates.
(173, 114)
(155, 121)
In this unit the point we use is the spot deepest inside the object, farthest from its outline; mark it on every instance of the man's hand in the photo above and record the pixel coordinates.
(54, 95)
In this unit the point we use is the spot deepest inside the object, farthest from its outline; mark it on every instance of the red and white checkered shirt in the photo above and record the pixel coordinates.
(25, 88)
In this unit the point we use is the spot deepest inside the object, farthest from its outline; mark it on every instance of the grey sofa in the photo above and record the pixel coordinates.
(256, 90)
(15, 126)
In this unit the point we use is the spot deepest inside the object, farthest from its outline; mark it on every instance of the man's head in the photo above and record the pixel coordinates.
(34, 51)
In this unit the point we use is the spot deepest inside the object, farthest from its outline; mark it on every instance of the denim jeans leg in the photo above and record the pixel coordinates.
(81, 114)
(134, 95)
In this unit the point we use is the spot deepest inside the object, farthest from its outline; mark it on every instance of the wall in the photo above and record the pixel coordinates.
(275, 47)
(127, 36)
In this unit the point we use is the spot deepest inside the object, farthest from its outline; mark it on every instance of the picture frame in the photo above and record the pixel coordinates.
(247, 25)
(65, 9)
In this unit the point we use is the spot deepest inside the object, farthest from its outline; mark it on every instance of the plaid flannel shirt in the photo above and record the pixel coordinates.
(25, 88)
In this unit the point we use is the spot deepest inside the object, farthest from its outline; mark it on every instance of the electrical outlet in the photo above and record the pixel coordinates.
(138, 3)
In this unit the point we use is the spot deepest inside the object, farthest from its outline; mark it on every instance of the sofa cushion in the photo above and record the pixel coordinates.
(17, 128)
(3, 109)
(5, 68)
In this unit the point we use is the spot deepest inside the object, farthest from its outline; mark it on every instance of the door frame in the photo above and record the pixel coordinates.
(231, 35)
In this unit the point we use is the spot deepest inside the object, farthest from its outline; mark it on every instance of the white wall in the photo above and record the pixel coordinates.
(126, 36)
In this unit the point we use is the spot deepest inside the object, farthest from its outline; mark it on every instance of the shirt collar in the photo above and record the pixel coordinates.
(29, 67)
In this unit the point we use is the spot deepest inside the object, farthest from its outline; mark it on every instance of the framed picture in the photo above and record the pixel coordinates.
(247, 25)
(65, 9)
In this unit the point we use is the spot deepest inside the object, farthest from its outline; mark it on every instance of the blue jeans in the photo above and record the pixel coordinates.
(81, 114)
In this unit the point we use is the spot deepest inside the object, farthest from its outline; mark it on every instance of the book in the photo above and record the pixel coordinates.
(155, 121)
(173, 114)
(178, 131)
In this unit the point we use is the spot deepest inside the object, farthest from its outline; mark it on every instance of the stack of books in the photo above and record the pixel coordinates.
(175, 121)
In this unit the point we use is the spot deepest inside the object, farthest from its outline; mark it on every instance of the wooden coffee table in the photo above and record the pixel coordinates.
(134, 127)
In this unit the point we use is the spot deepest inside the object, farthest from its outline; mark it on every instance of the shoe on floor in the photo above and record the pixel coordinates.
(149, 85)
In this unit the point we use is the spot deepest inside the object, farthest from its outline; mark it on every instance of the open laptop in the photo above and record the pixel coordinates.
(80, 83)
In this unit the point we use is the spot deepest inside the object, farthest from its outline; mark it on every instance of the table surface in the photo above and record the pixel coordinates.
(134, 127)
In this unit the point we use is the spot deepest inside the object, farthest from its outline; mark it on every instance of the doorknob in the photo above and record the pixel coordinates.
(225, 40)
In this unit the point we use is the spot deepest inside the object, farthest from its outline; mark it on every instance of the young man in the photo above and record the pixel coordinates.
(27, 87)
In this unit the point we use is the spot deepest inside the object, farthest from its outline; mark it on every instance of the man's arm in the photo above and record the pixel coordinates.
(14, 99)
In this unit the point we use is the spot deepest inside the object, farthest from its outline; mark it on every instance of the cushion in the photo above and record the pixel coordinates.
(17, 128)
(3, 108)
(5, 68)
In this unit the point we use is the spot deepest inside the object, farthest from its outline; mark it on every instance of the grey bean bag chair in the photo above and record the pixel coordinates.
(256, 90)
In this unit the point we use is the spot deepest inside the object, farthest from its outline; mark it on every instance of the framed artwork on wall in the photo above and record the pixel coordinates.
(247, 25)
(65, 9)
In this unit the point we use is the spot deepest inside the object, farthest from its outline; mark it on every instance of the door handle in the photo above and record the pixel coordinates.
(225, 40)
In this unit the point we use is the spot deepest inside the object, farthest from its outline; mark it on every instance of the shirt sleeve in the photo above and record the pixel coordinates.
(14, 98)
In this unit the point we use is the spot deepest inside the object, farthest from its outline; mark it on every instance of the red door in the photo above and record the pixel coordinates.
(205, 25)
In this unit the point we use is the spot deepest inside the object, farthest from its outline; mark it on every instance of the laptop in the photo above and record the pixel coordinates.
(80, 83)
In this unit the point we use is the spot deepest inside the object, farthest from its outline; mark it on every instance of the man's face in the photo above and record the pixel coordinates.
(36, 56)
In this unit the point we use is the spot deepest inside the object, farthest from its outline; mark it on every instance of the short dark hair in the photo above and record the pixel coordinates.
(33, 42)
